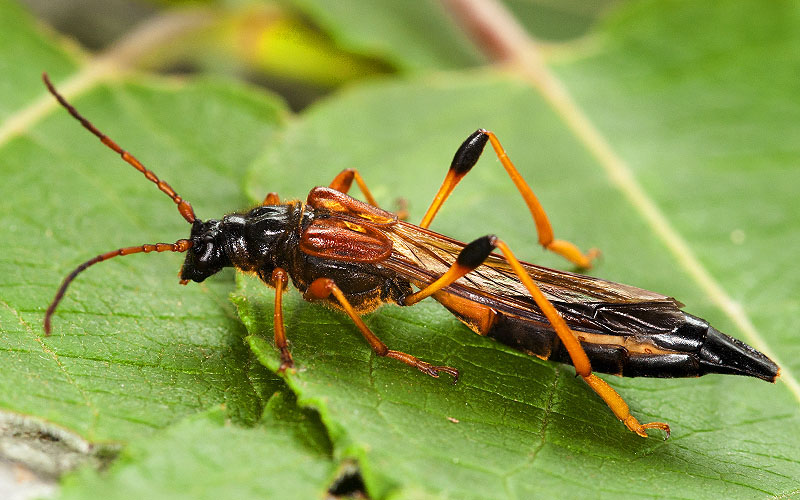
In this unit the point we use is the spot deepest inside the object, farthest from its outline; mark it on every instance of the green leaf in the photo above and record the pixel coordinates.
(515, 426)
(131, 356)
(131, 351)
(287, 455)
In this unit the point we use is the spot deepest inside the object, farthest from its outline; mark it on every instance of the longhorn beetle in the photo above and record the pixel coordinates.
(356, 256)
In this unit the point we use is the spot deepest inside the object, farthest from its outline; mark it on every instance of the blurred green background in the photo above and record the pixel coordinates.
(304, 49)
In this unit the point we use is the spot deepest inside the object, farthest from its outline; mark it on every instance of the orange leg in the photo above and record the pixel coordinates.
(576, 352)
(271, 199)
(322, 288)
(279, 281)
(344, 180)
(402, 209)
(463, 161)
(472, 256)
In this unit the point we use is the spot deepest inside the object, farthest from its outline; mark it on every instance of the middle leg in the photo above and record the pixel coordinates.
(322, 288)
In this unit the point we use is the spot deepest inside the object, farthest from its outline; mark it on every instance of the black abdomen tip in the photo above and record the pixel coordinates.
(721, 353)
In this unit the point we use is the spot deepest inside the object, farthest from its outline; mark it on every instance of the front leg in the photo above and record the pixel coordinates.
(279, 280)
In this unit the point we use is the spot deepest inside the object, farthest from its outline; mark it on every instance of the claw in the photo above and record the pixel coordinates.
(449, 370)
(287, 363)
(434, 371)
(422, 366)
(640, 429)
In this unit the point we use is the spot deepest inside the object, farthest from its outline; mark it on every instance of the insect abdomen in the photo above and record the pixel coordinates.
(692, 348)
(540, 340)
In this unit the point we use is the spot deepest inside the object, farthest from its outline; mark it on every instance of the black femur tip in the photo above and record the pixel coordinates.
(474, 254)
(468, 153)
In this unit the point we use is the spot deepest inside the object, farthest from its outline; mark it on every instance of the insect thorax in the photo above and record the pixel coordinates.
(265, 237)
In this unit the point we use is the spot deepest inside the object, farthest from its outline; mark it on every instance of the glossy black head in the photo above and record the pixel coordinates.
(207, 255)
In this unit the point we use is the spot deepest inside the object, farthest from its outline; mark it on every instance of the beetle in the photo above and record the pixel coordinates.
(356, 256)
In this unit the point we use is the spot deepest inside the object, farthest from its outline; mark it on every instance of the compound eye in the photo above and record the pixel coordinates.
(204, 251)
(207, 253)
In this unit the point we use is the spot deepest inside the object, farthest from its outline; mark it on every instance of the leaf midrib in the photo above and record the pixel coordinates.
(532, 66)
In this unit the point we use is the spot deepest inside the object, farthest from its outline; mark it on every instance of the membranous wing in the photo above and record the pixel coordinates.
(587, 304)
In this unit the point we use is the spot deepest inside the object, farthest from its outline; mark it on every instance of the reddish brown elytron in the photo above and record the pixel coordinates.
(356, 256)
